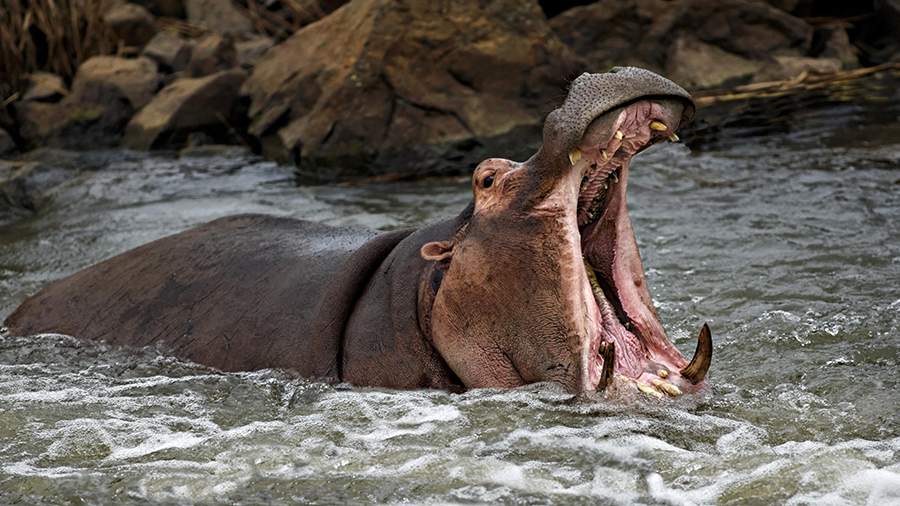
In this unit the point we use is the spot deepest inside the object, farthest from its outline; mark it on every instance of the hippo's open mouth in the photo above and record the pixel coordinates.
(628, 342)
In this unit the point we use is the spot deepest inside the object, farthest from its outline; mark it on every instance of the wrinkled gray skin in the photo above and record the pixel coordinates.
(494, 297)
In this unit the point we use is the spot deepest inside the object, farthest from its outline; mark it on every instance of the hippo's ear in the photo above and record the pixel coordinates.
(437, 250)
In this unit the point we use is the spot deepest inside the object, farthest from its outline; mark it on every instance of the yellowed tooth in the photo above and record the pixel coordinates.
(647, 389)
(574, 156)
(662, 373)
(619, 135)
(604, 155)
(667, 387)
(660, 127)
(674, 138)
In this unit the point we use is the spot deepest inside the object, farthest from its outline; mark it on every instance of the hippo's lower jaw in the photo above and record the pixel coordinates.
(628, 343)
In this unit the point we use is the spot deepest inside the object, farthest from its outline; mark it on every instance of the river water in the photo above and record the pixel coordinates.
(781, 228)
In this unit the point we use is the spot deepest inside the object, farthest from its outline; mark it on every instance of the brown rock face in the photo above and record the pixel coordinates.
(187, 105)
(131, 23)
(409, 86)
(701, 43)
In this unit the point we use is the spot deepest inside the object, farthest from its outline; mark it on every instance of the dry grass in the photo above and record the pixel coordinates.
(802, 83)
(49, 35)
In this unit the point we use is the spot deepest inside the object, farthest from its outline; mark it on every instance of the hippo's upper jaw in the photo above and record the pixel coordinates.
(545, 281)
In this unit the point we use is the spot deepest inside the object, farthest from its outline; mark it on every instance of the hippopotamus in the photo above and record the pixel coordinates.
(538, 279)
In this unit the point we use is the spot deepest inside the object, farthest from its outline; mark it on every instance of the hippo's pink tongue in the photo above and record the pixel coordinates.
(627, 317)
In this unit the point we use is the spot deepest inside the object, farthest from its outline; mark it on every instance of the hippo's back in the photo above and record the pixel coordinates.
(238, 293)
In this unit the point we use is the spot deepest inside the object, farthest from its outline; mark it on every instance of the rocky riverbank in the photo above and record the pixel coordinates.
(407, 87)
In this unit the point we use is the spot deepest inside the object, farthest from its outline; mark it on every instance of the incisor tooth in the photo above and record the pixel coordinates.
(647, 389)
(674, 138)
(619, 135)
(574, 156)
(667, 387)
(660, 127)
(662, 373)
(604, 155)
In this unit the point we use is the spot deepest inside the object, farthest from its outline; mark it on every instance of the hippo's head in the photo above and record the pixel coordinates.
(544, 281)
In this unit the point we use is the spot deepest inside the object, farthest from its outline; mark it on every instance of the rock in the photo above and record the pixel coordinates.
(137, 79)
(411, 86)
(132, 23)
(170, 51)
(250, 51)
(696, 64)
(790, 67)
(739, 34)
(220, 16)
(7, 144)
(608, 33)
(838, 47)
(212, 54)
(105, 93)
(24, 186)
(45, 87)
(753, 30)
(187, 105)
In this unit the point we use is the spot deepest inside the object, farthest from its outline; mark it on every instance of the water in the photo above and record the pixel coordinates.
(784, 237)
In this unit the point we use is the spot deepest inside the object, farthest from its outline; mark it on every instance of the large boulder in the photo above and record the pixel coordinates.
(188, 105)
(220, 16)
(132, 23)
(137, 79)
(702, 43)
(409, 86)
(105, 93)
(696, 64)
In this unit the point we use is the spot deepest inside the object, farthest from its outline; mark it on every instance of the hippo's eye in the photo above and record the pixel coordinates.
(487, 181)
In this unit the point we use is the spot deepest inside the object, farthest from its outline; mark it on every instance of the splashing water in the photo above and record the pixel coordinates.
(786, 242)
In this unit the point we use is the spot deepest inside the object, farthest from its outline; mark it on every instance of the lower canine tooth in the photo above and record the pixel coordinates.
(667, 387)
(647, 389)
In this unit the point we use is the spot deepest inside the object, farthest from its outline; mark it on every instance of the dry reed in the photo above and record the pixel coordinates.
(49, 35)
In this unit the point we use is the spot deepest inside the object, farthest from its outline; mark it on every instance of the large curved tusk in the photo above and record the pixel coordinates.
(699, 366)
(608, 352)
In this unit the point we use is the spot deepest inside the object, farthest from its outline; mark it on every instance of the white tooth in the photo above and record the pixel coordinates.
(619, 135)
(647, 389)
(574, 156)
